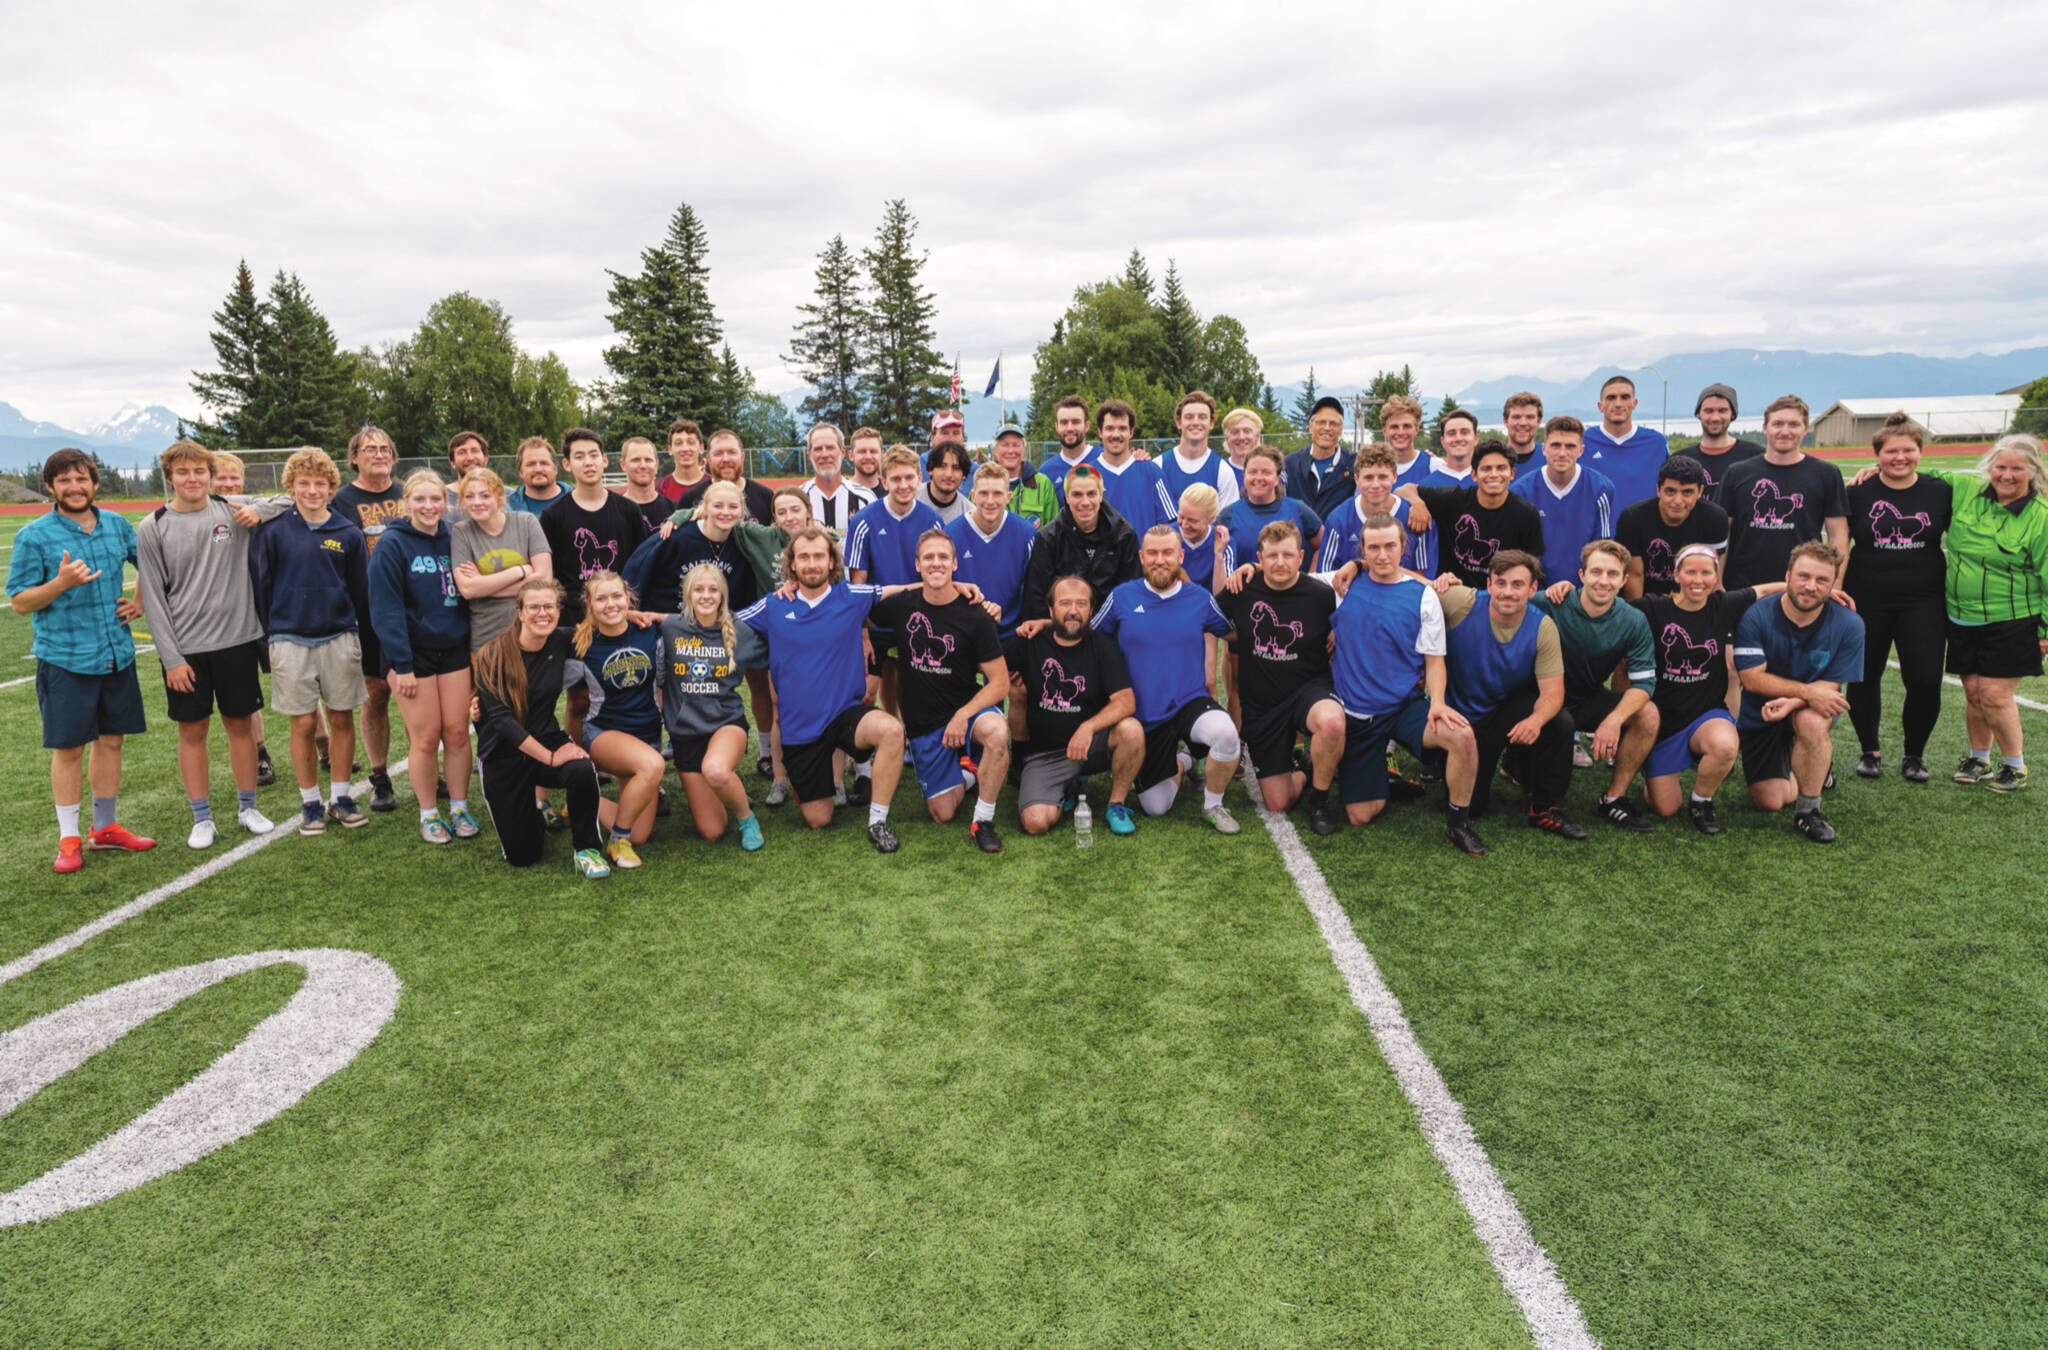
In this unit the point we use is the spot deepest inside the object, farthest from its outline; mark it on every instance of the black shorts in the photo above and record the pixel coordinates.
(881, 650)
(1589, 712)
(1269, 737)
(231, 679)
(689, 750)
(2007, 650)
(1767, 751)
(428, 662)
(79, 709)
(809, 765)
(373, 653)
(1163, 742)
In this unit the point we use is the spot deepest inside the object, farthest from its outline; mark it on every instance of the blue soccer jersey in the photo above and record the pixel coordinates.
(995, 562)
(1383, 632)
(884, 544)
(1342, 530)
(1138, 492)
(1056, 466)
(814, 656)
(1212, 469)
(1629, 465)
(1572, 518)
(1160, 637)
(1245, 518)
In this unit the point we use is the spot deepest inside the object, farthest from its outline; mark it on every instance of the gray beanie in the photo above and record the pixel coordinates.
(1716, 391)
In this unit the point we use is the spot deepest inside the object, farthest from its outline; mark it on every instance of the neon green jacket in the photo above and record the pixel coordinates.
(1997, 557)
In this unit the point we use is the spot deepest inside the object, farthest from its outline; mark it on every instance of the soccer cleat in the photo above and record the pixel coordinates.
(70, 854)
(1914, 769)
(551, 818)
(465, 825)
(778, 793)
(1321, 820)
(1120, 819)
(312, 819)
(266, 772)
(440, 789)
(1703, 818)
(1581, 757)
(2007, 779)
(1552, 820)
(1465, 839)
(661, 803)
(202, 835)
(1973, 770)
(1402, 788)
(1303, 764)
(1828, 784)
(1621, 811)
(1220, 817)
(1068, 801)
(750, 834)
(344, 811)
(765, 767)
(435, 830)
(838, 795)
(862, 791)
(622, 854)
(590, 864)
(1814, 826)
(882, 837)
(382, 798)
(1868, 766)
(118, 836)
(983, 833)
(254, 821)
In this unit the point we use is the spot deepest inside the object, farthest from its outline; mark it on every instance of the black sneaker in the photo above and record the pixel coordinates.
(1973, 770)
(1814, 826)
(1703, 818)
(1304, 764)
(1828, 784)
(660, 803)
(862, 791)
(1868, 767)
(1551, 820)
(1465, 839)
(983, 833)
(882, 837)
(1321, 819)
(1621, 811)
(382, 798)
(2007, 779)
(266, 772)
(441, 789)
(1914, 769)
(765, 766)
(1402, 788)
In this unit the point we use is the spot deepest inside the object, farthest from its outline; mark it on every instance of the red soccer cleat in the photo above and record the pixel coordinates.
(119, 836)
(70, 854)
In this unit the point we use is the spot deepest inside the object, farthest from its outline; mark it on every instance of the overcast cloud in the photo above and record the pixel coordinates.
(1476, 189)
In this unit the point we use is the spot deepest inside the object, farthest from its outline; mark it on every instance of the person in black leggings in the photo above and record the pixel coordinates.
(1896, 572)
(520, 675)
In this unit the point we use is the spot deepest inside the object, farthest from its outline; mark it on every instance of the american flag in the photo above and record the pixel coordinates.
(956, 381)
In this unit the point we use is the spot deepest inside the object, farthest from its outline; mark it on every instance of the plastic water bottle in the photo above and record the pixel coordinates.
(1084, 824)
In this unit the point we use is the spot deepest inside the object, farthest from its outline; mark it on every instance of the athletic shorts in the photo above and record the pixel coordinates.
(810, 765)
(79, 709)
(428, 662)
(1767, 750)
(882, 646)
(1589, 712)
(650, 736)
(689, 750)
(1048, 776)
(1362, 773)
(938, 764)
(1673, 754)
(2007, 650)
(230, 679)
(1163, 741)
(1269, 736)
(305, 679)
(373, 653)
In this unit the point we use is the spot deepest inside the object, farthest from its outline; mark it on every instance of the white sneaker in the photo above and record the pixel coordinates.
(1580, 758)
(254, 821)
(202, 834)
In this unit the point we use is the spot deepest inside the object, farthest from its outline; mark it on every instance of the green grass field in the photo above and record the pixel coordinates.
(1747, 1091)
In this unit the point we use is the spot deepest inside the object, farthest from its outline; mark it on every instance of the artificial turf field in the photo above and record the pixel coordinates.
(1747, 1091)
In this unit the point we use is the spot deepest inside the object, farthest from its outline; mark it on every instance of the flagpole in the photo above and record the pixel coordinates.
(1003, 384)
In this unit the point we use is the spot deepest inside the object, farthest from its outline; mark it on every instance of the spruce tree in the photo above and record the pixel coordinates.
(302, 381)
(667, 359)
(1436, 424)
(1306, 403)
(237, 333)
(825, 350)
(904, 378)
(1180, 336)
(1385, 385)
(1137, 275)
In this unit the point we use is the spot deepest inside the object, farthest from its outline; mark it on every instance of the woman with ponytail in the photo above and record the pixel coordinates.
(519, 679)
(703, 657)
(622, 730)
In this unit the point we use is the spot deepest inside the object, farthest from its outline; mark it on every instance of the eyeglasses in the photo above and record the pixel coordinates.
(540, 608)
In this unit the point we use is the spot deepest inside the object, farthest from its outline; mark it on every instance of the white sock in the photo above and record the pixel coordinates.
(67, 820)
(865, 770)
(984, 810)
(459, 804)
(309, 796)
(1184, 759)
(1211, 800)
(341, 787)
(428, 813)
(877, 812)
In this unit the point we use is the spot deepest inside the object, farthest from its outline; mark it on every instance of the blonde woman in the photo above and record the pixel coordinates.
(1200, 545)
(496, 551)
(424, 633)
(622, 730)
(703, 656)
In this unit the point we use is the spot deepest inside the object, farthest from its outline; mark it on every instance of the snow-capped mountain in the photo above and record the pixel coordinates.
(154, 427)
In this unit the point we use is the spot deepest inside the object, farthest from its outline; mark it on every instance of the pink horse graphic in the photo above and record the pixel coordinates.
(928, 647)
(1062, 691)
(1272, 639)
(594, 554)
(1469, 548)
(1773, 508)
(1684, 658)
(1893, 528)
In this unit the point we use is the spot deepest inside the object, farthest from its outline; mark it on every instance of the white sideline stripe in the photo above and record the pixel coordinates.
(1950, 679)
(30, 679)
(149, 900)
(1548, 1309)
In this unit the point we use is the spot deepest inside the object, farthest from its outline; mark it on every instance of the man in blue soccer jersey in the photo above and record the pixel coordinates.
(1134, 488)
(1192, 461)
(1627, 454)
(881, 547)
(1070, 428)
(994, 544)
(1167, 629)
(1794, 656)
(1577, 504)
(814, 659)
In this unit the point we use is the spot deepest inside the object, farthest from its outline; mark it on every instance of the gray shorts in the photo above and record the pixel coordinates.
(303, 679)
(1048, 775)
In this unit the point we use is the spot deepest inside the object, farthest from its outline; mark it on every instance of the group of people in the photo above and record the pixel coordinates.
(996, 622)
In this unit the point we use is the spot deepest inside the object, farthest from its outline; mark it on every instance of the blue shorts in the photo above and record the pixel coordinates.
(1362, 774)
(650, 735)
(938, 764)
(79, 709)
(1673, 754)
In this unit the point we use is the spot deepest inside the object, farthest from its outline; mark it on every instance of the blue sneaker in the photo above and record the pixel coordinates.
(312, 820)
(592, 865)
(1120, 819)
(750, 834)
(465, 825)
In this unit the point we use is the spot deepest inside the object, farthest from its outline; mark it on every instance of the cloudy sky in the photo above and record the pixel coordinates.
(1479, 189)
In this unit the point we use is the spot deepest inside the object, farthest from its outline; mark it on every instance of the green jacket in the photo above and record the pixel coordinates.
(1997, 557)
(1035, 498)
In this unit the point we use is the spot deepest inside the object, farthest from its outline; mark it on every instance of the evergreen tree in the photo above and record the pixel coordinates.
(1436, 424)
(302, 382)
(1180, 336)
(1305, 405)
(1270, 414)
(667, 359)
(1137, 275)
(1385, 385)
(904, 379)
(825, 350)
(237, 333)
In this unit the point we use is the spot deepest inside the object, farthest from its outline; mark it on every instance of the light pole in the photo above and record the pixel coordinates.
(1663, 416)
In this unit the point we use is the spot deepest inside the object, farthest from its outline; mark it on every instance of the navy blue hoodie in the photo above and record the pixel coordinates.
(312, 581)
(413, 602)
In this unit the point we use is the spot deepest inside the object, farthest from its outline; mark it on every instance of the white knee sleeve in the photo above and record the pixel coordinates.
(1214, 729)
(1157, 800)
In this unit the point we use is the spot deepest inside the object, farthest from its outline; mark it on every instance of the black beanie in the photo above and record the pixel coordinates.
(1716, 391)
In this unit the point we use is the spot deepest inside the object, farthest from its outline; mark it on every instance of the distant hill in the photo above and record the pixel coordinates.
(133, 436)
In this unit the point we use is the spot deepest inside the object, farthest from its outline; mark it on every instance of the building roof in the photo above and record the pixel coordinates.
(1946, 415)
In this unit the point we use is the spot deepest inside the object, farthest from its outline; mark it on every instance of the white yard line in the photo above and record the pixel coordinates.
(30, 679)
(1552, 1315)
(2023, 702)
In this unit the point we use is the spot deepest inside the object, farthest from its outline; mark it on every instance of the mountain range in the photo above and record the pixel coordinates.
(134, 435)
